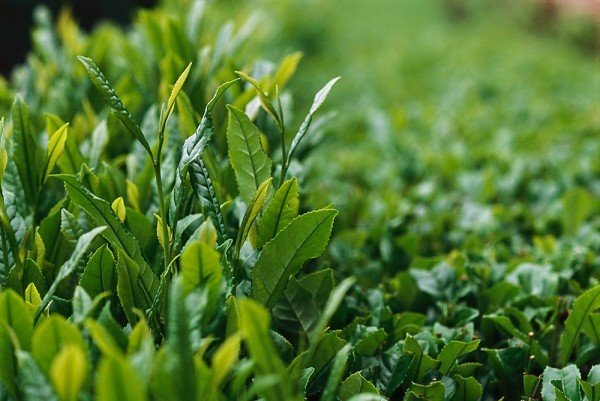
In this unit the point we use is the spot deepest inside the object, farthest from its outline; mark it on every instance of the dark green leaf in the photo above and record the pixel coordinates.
(585, 304)
(452, 351)
(338, 368)
(99, 275)
(355, 384)
(33, 382)
(468, 389)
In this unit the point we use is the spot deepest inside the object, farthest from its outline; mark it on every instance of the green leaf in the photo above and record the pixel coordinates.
(136, 288)
(304, 238)
(8, 368)
(336, 297)
(33, 382)
(355, 384)
(251, 214)
(99, 275)
(69, 266)
(205, 192)
(369, 344)
(255, 329)
(28, 156)
(177, 369)
(174, 92)
(14, 313)
(585, 304)
(113, 102)
(422, 363)
(280, 212)
(201, 267)
(50, 337)
(591, 391)
(567, 383)
(434, 391)
(317, 102)
(68, 372)
(296, 312)
(192, 150)
(577, 205)
(251, 165)
(3, 152)
(264, 99)
(69, 226)
(336, 374)
(224, 358)
(394, 369)
(116, 233)
(452, 351)
(116, 381)
(468, 389)
(56, 145)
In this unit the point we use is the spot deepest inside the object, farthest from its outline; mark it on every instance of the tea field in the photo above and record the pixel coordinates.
(260, 200)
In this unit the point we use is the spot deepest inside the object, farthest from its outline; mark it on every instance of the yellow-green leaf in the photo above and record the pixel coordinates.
(118, 206)
(251, 214)
(224, 358)
(175, 91)
(56, 145)
(68, 372)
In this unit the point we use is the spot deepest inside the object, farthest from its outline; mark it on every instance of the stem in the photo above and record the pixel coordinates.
(284, 159)
(163, 212)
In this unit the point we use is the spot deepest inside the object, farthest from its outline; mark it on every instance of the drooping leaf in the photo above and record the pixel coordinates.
(116, 380)
(251, 165)
(99, 275)
(317, 102)
(585, 304)
(56, 145)
(28, 156)
(304, 238)
(68, 372)
(252, 213)
(263, 98)
(280, 212)
(113, 102)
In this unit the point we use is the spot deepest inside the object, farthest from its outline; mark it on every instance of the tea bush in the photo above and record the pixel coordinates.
(168, 206)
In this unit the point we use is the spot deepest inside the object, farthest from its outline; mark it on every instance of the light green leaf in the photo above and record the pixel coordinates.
(117, 381)
(355, 384)
(69, 226)
(56, 145)
(33, 382)
(14, 313)
(280, 212)
(255, 329)
(317, 102)
(566, 379)
(50, 337)
(113, 102)
(28, 156)
(201, 266)
(99, 274)
(452, 351)
(224, 358)
(577, 205)
(467, 389)
(264, 99)
(304, 238)
(251, 165)
(68, 372)
(585, 304)
(251, 214)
